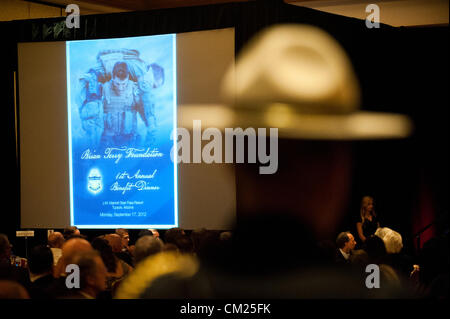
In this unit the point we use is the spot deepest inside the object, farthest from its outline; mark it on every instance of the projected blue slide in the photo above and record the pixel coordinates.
(121, 112)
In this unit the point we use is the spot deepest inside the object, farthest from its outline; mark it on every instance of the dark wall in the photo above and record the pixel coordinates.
(401, 70)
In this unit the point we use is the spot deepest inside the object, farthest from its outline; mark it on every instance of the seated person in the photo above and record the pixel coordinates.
(40, 266)
(398, 260)
(126, 252)
(92, 276)
(345, 243)
(116, 268)
(55, 242)
(71, 231)
(8, 271)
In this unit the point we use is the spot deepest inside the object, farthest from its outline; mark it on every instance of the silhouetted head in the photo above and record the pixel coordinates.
(106, 253)
(172, 233)
(146, 246)
(144, 232)
(5, 247)
(375, 249)
(311, 185)
(70, 231)
(251, 250)
(40, 260)
(115, 242)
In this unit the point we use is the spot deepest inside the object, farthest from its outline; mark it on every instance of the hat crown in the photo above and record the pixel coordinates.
(298, 65)
(299, 80)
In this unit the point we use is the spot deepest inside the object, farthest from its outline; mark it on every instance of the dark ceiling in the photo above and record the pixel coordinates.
(130, 5)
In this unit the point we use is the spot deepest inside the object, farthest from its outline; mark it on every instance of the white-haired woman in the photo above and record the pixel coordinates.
(395, 257)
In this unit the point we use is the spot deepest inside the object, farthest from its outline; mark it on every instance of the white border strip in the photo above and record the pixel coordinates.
(125, 226)
(175, 125)
(69, 111)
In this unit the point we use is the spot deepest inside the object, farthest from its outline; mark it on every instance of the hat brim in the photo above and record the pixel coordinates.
(359, 125)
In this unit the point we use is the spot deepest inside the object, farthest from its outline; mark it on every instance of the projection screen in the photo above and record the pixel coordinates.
(95, 124)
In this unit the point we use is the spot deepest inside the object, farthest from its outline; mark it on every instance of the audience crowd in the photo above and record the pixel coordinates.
(213, 264)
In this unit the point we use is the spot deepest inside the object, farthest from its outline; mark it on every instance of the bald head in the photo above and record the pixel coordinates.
(73, 247)
(12, 290)
(5, 247)
(56, 240)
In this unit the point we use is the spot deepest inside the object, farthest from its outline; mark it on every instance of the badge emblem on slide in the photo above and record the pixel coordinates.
(94, 181)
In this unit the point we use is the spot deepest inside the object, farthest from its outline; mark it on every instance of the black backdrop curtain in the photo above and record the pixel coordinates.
(400, 70)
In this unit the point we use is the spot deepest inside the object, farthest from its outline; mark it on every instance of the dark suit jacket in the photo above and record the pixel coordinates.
(58, 288)
(126, 257)
(17, 274)
(40, 289)
(339, 258)
(74, 295)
